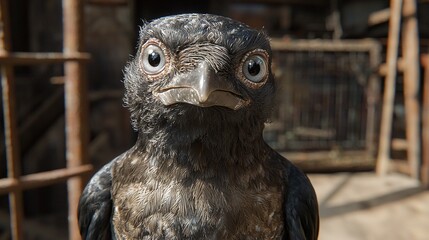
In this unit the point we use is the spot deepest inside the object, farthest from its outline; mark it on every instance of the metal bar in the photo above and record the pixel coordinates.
(42, 179)
(22, 58)
(12, 150)
(389, 87)
(410, 53)
(10, 127)
(318, 45)
(76, 107)
(425, 124)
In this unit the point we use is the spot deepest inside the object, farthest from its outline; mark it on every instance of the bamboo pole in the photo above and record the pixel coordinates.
(389, 87)
(410, 53)
(76, 107)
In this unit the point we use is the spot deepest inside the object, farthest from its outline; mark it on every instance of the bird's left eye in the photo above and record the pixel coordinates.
(153, 59)
(254, 68)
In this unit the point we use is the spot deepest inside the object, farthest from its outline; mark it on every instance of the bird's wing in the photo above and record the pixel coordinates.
(95, 205)
(300, 207)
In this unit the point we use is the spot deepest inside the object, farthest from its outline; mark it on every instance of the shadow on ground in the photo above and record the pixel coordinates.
(366, 206)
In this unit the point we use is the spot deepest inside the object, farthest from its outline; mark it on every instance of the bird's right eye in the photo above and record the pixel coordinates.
(153, 58)
(254, 70)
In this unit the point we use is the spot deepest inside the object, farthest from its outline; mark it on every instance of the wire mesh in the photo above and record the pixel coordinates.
(321, 100)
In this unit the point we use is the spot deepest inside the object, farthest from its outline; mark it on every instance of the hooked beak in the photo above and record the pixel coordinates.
(201, 87)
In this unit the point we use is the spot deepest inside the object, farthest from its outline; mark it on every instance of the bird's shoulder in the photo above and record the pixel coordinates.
(95, 204)
(301, 212)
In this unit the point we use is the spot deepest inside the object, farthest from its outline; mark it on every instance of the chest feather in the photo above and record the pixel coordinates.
(196, 209)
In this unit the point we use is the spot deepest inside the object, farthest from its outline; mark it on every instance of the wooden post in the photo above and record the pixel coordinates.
(76, 106)
(389, 87)
(10, 127)
(425, 119)
(410, 53)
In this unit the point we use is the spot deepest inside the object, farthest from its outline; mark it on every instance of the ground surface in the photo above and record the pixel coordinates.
(363, 206)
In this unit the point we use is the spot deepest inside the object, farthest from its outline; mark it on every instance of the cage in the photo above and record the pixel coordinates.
(327, 98)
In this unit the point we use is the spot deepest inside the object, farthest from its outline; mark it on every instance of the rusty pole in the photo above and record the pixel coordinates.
(76, 106)
(410, 53)
(10, 127)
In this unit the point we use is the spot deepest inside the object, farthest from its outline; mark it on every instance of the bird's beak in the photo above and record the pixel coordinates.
(201, 87)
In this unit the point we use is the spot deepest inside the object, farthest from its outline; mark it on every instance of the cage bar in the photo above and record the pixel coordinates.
(76, 107)
(76, 113)
(42, 179)
(33, 58)
(10, 125)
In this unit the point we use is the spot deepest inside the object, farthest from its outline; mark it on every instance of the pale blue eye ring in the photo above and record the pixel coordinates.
(153, 59)
(254, 68)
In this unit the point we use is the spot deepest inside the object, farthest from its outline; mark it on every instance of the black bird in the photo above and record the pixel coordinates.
(199, 90)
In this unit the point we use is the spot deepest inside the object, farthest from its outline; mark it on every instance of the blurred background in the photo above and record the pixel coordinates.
(352, 105)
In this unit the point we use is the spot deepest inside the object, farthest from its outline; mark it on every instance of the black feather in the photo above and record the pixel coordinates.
(95, 206)
(301, 209)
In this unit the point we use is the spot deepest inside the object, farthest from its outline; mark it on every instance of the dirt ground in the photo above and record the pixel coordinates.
(364, 206)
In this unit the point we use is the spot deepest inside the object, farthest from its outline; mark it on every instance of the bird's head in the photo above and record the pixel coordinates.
(197, 72)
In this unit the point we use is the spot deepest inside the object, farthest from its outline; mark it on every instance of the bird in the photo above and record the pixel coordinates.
(199, 90)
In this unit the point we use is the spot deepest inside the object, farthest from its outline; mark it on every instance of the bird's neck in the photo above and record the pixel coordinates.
(199, 151)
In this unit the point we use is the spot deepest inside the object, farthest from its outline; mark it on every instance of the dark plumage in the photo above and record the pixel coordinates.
(199, 91)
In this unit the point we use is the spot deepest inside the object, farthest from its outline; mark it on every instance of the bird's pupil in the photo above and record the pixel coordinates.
(254, 67)
(154, 59)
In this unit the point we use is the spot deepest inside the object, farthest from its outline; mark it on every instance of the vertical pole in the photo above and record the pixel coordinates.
(336, 20)
(410, 53)
(76, 106)
(10, 127)
(373, 99)
(425, 131)
(389, 87)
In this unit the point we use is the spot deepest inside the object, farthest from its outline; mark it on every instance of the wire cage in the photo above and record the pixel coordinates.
(327, 96)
